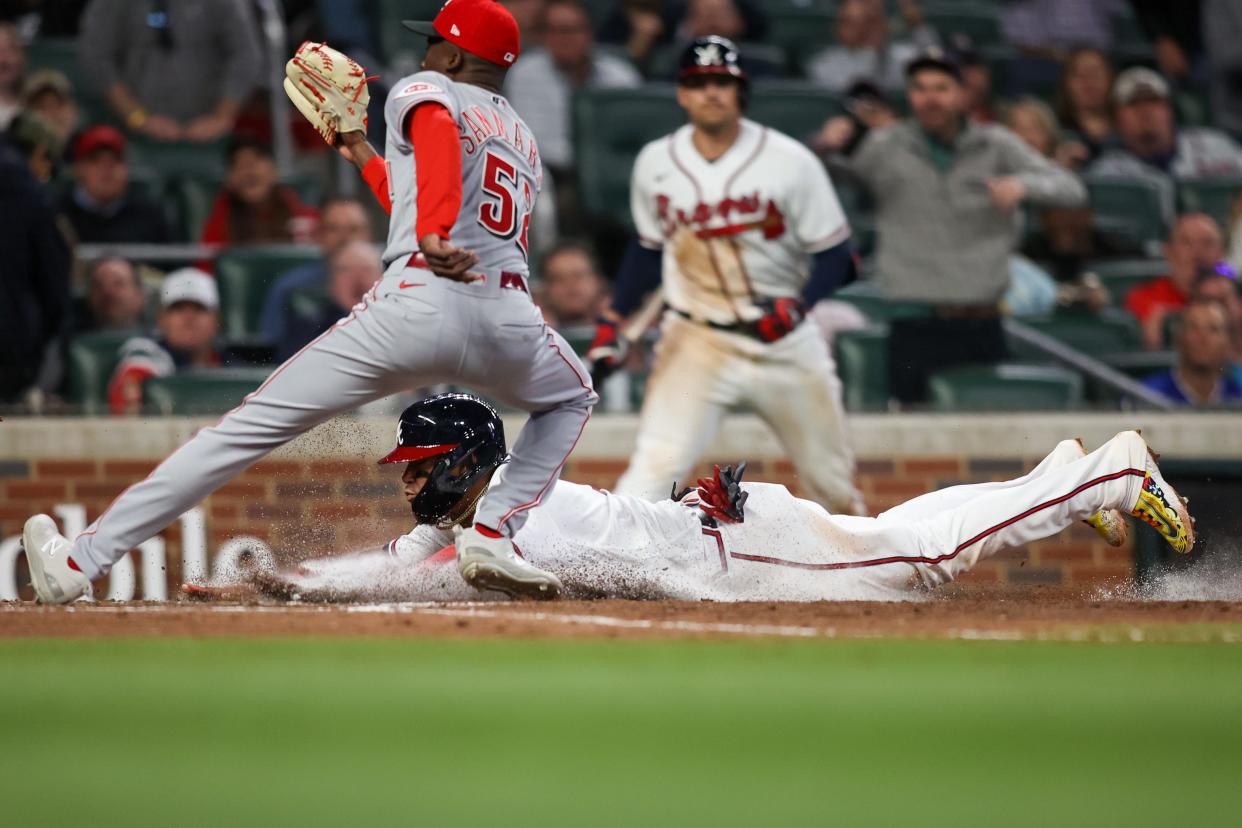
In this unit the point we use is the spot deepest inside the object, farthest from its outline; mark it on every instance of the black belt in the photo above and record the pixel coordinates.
(745, 328)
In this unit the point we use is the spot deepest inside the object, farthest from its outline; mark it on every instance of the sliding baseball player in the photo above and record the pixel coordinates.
(461, 165)
(742, 227)
(724, 538)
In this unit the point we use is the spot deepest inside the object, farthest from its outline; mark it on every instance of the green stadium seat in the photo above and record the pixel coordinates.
(90, 360)
(796, 109)
(1142, 364)
(1129, 207)
(1214, 196)
(212, 391)
(801, 32)
(1006, 387)
(61, 54)
(865, 295)
(397, 43)
(179, 159)
(610, 127)
(191, 198)
(1122, 275)
(978, 20)
(1111, 331)
(862, 364)
(246, 274)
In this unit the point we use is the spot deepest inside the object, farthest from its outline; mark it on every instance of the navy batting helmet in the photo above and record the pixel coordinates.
(713, 55)
(466, 437)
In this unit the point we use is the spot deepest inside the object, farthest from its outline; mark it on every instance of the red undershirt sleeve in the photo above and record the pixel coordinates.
(375, 173)
(433, 135)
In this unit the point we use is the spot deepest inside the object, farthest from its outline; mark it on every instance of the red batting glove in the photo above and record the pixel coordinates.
(780, 317)
(607, 352)
(721, 496)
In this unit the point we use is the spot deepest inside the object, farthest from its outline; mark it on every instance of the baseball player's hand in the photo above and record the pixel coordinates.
(780, 317)
(329, 88)
(447, 261)
(607, 352)
(721, 496)
(1006, 192)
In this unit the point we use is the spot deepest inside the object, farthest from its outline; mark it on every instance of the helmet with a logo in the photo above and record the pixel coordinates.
(713, 55)
(466, 437)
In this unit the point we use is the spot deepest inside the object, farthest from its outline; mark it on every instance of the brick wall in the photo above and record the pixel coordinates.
(308, 507)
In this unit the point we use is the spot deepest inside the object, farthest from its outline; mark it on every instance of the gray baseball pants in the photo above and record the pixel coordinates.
(412, 329)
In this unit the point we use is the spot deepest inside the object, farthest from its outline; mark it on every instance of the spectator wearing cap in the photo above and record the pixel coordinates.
(352, 270)
(542, 83)
(1153, 147)
(115, 298)
(1203, 375)
(34, 257)
(1222, 41)
(188, 325)
(12, 70)
(49, 94)
(253, 207)
(1083, 106)
(177, 70)
(1194, 250)
(101, 205)
(864, 51)
(946, 191)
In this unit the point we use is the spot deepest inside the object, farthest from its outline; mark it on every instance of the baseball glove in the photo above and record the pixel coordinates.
(329, 88)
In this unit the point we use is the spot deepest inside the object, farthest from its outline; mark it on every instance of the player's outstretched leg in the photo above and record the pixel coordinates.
(1109, 523)
(335, 373)
(1122, 474)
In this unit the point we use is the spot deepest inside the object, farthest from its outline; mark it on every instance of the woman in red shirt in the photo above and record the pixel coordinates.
(253, 206)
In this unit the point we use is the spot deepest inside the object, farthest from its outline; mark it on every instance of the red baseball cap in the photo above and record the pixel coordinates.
(100, 136)
(481, 27)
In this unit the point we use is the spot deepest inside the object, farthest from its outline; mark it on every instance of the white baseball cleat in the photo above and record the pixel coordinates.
(492, 563)
(56, 578)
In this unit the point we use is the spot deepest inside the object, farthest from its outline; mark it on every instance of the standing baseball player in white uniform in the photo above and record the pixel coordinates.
(725, 538)
(460, 164)
(745, 229)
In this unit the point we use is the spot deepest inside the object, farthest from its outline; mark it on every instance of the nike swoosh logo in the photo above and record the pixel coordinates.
(404, 284)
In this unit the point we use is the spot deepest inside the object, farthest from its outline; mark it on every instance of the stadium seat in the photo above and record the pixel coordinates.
(398, 44)
(796, 109)
(61, 54)
(862, 364)
(212, 391)
(801, 32)
(90, 360)
(191, 198)
(246, 274)
(179, 159)
(1005, 387)
(1142, 364)
(1109, 332)
(1214, 196)
(1122, 275)
(865, 295)
(1129, 207)
(610, 127)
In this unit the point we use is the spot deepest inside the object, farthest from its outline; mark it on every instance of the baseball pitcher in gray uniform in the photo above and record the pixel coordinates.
(459, 164)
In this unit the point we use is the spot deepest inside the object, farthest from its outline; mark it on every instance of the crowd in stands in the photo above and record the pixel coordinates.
(993, 156)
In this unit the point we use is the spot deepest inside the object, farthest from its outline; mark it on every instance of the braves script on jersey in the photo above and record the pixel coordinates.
(736, 228)
(501, 172)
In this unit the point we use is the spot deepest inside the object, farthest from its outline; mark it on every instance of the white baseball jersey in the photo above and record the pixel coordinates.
(738, 228)
(788, 549)
(500, 168)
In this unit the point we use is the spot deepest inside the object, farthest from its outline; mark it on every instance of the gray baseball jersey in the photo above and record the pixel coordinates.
(411, 329)
(500, 169)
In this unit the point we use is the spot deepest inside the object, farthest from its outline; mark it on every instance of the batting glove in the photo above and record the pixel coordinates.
(780, 317)
(608, 351)
(721, 496)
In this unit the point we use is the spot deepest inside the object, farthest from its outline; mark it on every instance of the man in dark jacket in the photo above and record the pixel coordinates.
(101, 206)
(34, 274)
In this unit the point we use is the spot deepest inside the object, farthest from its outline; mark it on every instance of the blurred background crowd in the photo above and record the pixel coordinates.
(172, 228)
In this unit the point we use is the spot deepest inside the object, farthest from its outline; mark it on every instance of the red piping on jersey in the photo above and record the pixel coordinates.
(557, 471)
(370, 295)
(763, 140)
(433, 135)
(711, 254)
(724, 559)
(918, 559)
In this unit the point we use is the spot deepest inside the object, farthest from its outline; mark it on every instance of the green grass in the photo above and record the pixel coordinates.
(396, 732)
